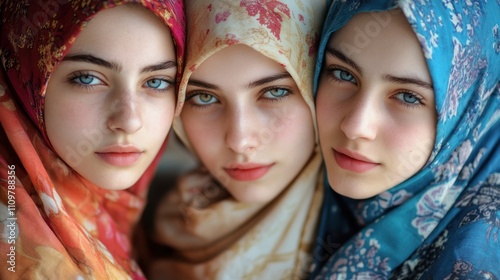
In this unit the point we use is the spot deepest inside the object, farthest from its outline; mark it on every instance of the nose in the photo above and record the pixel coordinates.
(360, 120)
(125, 114)
(242, 127)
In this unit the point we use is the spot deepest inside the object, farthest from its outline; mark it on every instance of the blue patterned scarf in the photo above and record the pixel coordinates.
(443, 222)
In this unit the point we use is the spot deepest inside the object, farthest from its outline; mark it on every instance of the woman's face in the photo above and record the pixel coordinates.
(248, 123)
(109, 104)
(375, 105)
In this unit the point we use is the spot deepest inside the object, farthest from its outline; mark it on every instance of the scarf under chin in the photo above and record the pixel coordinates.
(220, 238)
(226, 239)
(61, 225)
(434, 224)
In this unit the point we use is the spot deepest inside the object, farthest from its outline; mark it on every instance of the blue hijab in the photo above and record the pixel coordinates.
(443, 222)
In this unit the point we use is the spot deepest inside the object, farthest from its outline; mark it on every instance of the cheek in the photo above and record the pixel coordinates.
(66, 121)
(411, 144)
(160, 118)
(71, 132)
(328, 114)
(294, 126)
(279, 124)
(205, 138)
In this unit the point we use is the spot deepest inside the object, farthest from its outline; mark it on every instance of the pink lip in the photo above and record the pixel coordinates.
(247, 171)
(119, 155)
(352, 161)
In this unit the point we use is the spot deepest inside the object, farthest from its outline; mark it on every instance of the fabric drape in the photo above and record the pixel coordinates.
(220, 238)
(443, 222)
(55, 223)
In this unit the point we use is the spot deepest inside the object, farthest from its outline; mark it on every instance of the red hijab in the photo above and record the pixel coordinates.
(53, 222)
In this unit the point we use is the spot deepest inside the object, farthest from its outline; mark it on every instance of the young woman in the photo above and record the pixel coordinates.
(87, 97)
(408, 108)
(248, 116)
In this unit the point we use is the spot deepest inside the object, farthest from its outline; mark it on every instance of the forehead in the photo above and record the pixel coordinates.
(110, 28)
(236, 65)
(365, 27)
(381, 40)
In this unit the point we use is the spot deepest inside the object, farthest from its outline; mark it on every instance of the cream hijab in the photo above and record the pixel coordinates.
(214, 236)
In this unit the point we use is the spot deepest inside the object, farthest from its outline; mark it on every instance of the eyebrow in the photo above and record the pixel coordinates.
(94, 60)
(116, 66)
(408, 80)
(391, 78)
(202, 84)
(253, 84)
(266, 80)
(338, 54)
(160, 66)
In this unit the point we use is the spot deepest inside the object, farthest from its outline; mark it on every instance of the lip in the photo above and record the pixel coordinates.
(353, 161)
(247, 171)
(120, 155)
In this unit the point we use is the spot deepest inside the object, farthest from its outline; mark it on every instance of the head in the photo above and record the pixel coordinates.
(246, 123)
(459, 44)
(109, 98)
(248, 105)
(375, 105)
(108, 108)
(445, 165)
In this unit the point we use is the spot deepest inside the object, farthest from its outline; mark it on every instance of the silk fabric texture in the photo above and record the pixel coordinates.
(64, 226)
(443, 222)
(227, 239)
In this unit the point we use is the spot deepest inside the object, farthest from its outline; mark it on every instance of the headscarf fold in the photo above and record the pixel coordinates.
(55, 223)
(443, 222)
(223, 238)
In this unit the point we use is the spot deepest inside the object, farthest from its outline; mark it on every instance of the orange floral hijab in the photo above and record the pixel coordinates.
(53, 222)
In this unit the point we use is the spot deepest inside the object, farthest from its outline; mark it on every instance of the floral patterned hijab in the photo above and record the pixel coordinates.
(53, 222)
(443, 222)
(226, 239)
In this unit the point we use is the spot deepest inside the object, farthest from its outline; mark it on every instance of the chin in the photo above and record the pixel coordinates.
(252, 194)
(249, 196)
(117, 185)
(351, 192)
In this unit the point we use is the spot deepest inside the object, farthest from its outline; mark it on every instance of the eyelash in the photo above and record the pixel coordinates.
(419, 99)
(72, 79)
(276, 98)
(330, 70)
(264, 91)
(170, 85)
(194, 94)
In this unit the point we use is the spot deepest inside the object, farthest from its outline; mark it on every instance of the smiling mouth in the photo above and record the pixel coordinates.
(248, 173)
(350, 163)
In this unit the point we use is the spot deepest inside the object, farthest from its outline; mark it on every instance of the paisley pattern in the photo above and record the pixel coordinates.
(439, 223)
(60, 224)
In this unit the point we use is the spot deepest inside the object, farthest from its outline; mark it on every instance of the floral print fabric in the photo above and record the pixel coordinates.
(444, 222)
(53, 222)
(227, 239)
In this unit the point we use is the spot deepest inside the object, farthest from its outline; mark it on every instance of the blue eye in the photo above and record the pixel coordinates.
(86, 80)
(158, 84)
(276, 93)
(202, 99)
(339, 74)
(343, 75)
(409, 99)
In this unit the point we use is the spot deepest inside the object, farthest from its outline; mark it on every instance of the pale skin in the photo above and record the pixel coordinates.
(375, 107)
(110, 103)
(245, 118)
